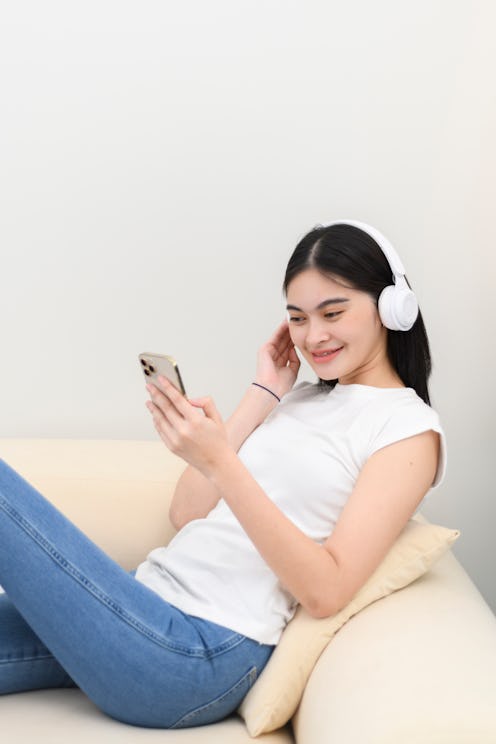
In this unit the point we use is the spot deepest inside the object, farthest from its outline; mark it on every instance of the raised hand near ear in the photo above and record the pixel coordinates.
(278, 363)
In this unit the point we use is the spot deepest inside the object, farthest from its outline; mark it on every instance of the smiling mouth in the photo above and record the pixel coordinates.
(322, 356)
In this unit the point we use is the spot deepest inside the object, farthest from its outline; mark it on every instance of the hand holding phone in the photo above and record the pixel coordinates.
(191, 429)
(154, 365)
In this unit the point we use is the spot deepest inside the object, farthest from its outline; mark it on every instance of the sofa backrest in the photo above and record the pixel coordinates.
(117, 491)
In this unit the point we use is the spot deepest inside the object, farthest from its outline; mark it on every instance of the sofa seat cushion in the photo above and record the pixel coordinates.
(61, 716)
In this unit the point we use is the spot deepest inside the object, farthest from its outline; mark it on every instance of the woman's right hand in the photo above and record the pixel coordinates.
(278, 363)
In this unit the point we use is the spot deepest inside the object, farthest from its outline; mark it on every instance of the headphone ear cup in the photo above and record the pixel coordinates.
(398, 307)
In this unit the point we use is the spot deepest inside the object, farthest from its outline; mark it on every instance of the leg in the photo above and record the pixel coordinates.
(25, 662)
(138, 658)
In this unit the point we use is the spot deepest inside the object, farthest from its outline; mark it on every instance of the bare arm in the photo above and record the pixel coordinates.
(277, 366)
(323, 578)
(195, 496)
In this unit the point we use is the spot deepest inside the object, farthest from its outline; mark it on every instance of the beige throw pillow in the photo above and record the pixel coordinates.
(274, 698)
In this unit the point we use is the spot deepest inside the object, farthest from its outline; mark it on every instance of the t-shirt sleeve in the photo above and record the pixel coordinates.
(406, 421)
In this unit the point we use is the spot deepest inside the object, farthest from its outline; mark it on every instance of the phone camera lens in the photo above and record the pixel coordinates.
(146, 372)
(143, 362)
(152, 368)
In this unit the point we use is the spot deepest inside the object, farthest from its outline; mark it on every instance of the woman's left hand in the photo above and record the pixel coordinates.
(191, 429)
(278, 363)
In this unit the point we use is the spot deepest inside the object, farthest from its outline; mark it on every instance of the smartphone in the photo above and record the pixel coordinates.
(154, 365)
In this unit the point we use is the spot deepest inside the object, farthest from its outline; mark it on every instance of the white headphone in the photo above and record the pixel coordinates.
(398, 306)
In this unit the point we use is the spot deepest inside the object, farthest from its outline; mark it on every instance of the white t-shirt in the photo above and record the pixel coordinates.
(306, 456)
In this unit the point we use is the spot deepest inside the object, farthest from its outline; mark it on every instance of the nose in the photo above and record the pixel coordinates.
(317, 332)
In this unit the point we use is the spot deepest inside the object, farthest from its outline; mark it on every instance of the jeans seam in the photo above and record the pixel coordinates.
(250, 676)
(19, 660)
(102, 597)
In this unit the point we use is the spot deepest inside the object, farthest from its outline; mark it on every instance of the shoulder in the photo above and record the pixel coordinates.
(301, 394)
(405, 416)
(301, 391)
(403, 408)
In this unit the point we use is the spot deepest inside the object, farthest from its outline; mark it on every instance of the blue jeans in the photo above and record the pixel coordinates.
(71, 616)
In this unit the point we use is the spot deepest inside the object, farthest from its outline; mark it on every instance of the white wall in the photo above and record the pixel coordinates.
(160, 160)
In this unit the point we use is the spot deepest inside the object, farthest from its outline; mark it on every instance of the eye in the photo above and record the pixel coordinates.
(333, 315)
(295, 318)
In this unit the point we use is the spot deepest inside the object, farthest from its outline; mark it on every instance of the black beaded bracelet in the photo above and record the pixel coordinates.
(267, 389)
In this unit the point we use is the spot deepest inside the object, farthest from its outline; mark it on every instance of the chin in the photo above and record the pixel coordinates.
(327, 375)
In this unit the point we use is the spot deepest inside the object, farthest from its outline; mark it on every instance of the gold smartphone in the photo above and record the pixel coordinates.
(161, 364)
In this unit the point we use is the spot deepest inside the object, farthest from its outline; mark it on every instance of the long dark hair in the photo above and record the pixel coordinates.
(350, 253)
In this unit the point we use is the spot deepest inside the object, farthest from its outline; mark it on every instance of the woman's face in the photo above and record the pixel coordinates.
(337, 329)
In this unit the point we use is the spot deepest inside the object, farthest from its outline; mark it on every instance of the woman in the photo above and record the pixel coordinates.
(295, 500)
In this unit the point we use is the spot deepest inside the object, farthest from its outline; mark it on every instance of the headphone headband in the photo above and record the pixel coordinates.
(397, 304)
(387, 248)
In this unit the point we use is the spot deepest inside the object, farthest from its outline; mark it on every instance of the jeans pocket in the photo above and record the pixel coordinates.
(221, 706)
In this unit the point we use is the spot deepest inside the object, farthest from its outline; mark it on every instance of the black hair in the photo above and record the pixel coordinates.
(349, 253)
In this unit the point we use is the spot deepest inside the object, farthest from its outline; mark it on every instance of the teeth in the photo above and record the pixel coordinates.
(326, 353)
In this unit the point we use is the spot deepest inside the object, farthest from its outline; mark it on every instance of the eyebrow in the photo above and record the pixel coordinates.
(332, 301)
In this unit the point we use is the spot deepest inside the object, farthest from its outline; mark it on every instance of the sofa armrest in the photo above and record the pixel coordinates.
(416, 666)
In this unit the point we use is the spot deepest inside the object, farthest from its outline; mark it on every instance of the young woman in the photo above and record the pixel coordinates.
(296, 499)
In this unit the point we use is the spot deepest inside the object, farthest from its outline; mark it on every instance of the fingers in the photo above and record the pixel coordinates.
(164, 407)
(161, 407)
(281, 341)
(160, 423)
(281, 335)
(172, 393)
(195, 436)
(174, 406)
(167, 396)
(293, 359)
(167, 406)
(208, 407)
(275, 342)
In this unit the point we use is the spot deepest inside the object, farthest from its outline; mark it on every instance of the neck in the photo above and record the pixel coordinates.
(376, 375)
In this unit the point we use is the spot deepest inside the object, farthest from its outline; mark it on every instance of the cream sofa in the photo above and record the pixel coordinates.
(416, 667)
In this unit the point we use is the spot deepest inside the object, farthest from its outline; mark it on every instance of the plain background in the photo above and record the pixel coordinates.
(160, 161)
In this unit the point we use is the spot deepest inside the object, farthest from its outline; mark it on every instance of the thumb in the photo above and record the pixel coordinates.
(208, 407)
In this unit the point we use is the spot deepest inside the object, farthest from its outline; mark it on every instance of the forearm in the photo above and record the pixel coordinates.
(195, 496)
(253, 409)
(305, 568)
